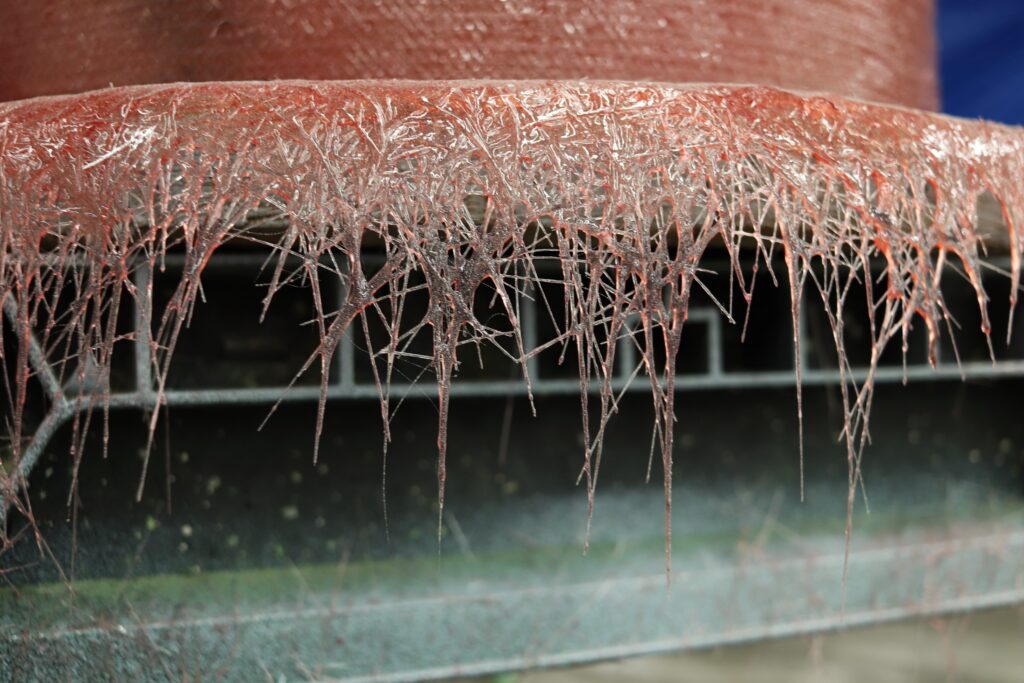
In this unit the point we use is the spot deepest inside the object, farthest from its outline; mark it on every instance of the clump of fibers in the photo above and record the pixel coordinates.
(474, 189)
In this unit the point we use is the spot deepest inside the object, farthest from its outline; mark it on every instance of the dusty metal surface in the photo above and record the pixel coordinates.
(980, 646)
(480, 609)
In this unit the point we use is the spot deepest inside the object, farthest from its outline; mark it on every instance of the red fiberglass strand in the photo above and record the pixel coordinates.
(474, 186)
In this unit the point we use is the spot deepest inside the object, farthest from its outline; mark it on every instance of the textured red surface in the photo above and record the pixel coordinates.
(880, 50)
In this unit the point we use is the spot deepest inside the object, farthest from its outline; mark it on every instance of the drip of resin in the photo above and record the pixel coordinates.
(469, 189)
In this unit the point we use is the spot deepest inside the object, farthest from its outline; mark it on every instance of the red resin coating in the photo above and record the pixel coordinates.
(631, 184)
(878, 50)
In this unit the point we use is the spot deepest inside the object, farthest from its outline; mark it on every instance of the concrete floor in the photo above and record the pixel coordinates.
(986, 647)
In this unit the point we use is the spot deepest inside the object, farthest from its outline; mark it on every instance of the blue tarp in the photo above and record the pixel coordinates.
(981, 58)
